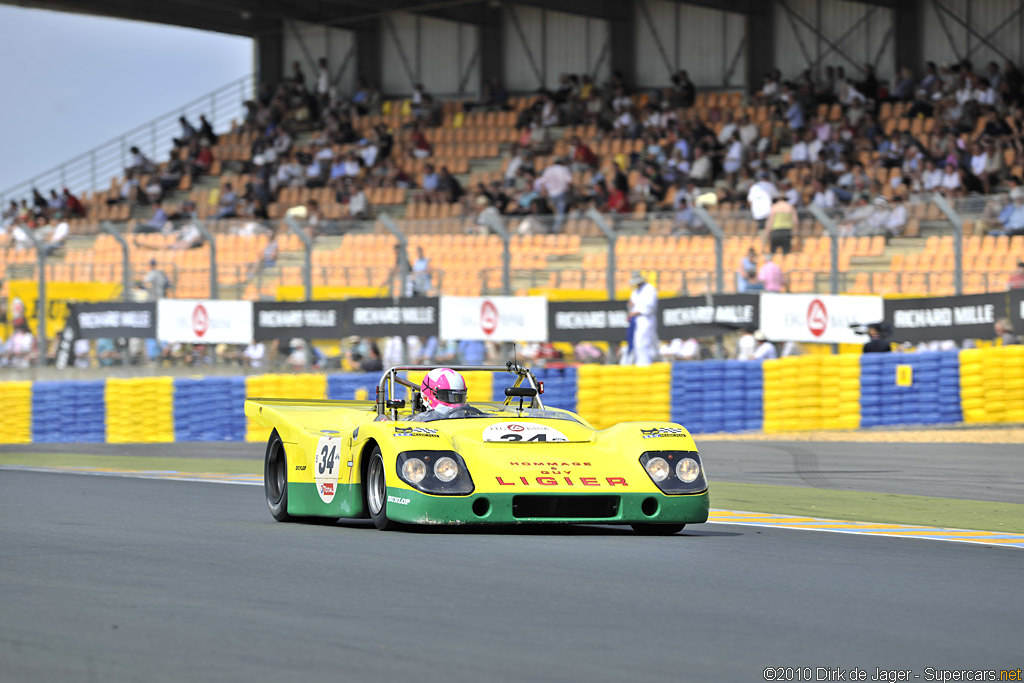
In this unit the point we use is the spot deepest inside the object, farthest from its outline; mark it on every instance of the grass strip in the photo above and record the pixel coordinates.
(127, 462)
(859, 506)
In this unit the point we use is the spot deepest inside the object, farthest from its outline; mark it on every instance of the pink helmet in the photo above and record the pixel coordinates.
(443, 389)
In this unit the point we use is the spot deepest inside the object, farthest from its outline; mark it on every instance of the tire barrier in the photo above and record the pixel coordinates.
(193, 418)
(801, 393)
(992, 384)
(16, 412)
(69, 412)
(140, 410)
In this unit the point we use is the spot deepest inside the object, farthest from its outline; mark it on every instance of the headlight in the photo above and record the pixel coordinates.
(414, 470)
(441, 473)
(658, 469)
(689, 478)
(687, 470)
(445, 469)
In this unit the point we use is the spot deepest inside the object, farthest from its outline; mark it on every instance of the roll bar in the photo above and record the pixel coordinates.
(391, 378)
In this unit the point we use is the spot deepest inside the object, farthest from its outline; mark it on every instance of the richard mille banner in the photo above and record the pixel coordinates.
(701, 316)
(971, 316)
(114, 320)
(1017, 310)
(303, 319)
(577, 321)
(386, 317)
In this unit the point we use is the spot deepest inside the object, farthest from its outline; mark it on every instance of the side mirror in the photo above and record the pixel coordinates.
(520, 392)
(396, 403)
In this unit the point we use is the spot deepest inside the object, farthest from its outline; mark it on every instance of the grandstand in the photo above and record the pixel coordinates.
(635, 114)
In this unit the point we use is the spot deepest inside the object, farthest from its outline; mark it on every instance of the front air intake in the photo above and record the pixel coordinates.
(565, 507)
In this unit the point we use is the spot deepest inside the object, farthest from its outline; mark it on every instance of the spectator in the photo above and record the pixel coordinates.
(583, 158)
(782, 219)
(22, 349)
(876, 342)
(1013, 218)
(746, 276)
(156, 281)
(189, 237)
(157, 222)
(760, 197)
(449, 187)
(1004, 332)
(58, 237)
(138, 163)
(471, 352)
(770, 275)
(643, 315)
(556, 183)
(765, 349)
(486, 214)
(227, 202)
(372, 362)
(1016, 280)
(421, 275)
(107, 353)
(746, 347)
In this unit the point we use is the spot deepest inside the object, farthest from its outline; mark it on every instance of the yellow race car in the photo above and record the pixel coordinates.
(510, 462)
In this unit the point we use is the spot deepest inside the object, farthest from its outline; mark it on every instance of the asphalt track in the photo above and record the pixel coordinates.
(993, 472)
(117, 579)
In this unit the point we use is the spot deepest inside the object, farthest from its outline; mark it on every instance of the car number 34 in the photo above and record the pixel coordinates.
(522, 431)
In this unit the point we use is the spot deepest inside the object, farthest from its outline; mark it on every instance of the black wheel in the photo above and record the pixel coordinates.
(657, 529)
(275, 479)
(377, 492)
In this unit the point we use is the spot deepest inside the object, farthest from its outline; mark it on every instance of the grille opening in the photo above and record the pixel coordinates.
(481, 506)
(565, 507)
(649, 507)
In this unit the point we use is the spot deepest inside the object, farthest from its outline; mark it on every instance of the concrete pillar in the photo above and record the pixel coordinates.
(908, 27)
(268, 52)
(368, 47)
(760, 44)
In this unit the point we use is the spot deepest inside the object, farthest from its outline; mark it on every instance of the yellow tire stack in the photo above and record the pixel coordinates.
(806, 393)
(307, 385)
(140, 410)
(16, 412)
(840, 399)
(992, 384)
(588, 394)
(609, 394)
(1013, 382)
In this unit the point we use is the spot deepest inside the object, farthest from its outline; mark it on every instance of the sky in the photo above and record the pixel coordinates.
(71, 82)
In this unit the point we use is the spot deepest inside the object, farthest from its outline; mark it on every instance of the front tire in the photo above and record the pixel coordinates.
(657, 529)
(275, 479)
(377, 492)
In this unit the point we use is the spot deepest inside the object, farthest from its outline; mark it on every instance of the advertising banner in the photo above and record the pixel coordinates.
(818, 317)
(387, 317)
(204, 321)
(971, 316)
(495, 318)
(1017, 310)
(577, 321)
(306, 320)
(114, 320)
(700, 316)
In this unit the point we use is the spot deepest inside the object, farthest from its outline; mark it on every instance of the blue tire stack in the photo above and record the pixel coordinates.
(559, 386)
(65, 412)
(209, 409)
(718, 396)
(950, 408)
(351, 385)
(932, 398)
(874, 409)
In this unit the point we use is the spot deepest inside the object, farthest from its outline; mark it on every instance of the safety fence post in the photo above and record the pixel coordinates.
(719, 236)
(214, 281)
(307, 241)
(958, 240)
(609, 234)
(403, 264)
(506, 257)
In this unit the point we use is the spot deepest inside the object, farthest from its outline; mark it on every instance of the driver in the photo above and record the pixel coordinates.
(443, 390)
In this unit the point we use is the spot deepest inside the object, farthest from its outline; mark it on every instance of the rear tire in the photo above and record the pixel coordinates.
(376, 489)
(657, 529)
(275, 479)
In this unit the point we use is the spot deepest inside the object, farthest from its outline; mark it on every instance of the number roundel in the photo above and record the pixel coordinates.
(524, 432)
(327, 467)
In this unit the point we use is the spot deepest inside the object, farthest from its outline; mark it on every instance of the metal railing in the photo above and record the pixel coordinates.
(92, 170)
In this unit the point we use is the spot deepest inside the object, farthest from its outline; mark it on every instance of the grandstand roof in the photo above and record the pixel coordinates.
(251, 17)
